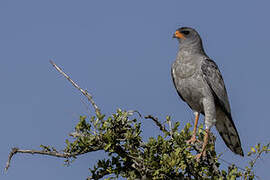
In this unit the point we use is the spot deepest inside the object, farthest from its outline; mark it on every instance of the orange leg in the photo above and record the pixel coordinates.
(193, 137)
(205, 142)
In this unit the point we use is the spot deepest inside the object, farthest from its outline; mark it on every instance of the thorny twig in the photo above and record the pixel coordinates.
(84, 92)
(43, 152)
(161, 127)
(55, 153)
(258, 156)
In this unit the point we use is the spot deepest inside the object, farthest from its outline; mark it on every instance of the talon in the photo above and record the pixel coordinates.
(200, 155)
(192, 140)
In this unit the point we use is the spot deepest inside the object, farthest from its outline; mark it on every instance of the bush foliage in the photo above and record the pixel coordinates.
(166, 156)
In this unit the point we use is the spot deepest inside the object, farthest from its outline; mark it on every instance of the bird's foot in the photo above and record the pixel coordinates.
(192, 140)
(200, 155)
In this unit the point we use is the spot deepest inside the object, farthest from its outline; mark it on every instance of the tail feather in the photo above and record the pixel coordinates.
(228, 132)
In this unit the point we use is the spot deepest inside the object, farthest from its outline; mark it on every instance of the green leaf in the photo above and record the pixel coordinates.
(258, 146)
(252, 150)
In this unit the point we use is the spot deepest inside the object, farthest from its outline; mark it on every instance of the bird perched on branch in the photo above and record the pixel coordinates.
(199, 83)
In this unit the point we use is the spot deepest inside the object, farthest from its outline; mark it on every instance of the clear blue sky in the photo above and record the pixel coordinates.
(121, 51)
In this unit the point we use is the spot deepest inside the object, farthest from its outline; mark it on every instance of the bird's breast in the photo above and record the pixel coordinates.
(185, 70)
(190, 84)
(193, 92)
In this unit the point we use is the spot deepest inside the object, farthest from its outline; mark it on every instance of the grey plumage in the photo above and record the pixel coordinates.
(199, 83)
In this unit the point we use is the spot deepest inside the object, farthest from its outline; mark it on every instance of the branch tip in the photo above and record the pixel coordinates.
(84, 92)
(161, 127)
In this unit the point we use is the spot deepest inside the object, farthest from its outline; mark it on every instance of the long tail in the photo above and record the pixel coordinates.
(228, 132)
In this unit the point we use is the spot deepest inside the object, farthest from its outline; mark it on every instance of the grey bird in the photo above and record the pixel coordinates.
(199, 83)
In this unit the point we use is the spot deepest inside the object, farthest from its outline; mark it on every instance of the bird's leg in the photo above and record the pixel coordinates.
(193, 137)
(205, 142)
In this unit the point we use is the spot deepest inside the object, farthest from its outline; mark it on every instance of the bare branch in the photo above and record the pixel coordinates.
(56, 153)
(84, 92)
(161, 127)
(49, 153)
(170, 126)
(131, 112)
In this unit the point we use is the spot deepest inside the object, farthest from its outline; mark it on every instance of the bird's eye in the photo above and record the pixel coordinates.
(185, 32)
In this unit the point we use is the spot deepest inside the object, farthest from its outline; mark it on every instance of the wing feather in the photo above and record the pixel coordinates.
(215, 81)
(224, 122)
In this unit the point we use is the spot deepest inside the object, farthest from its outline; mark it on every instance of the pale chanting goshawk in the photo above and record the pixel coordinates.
(199, 83)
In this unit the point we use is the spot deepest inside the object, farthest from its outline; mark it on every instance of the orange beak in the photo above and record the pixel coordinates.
(178, 35)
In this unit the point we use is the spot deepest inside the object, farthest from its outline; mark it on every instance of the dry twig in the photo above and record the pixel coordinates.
(43, 152)
(161, 127)
(84, 92)
(55, 153)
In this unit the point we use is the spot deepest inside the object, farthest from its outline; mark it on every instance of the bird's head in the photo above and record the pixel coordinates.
(187, 36)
